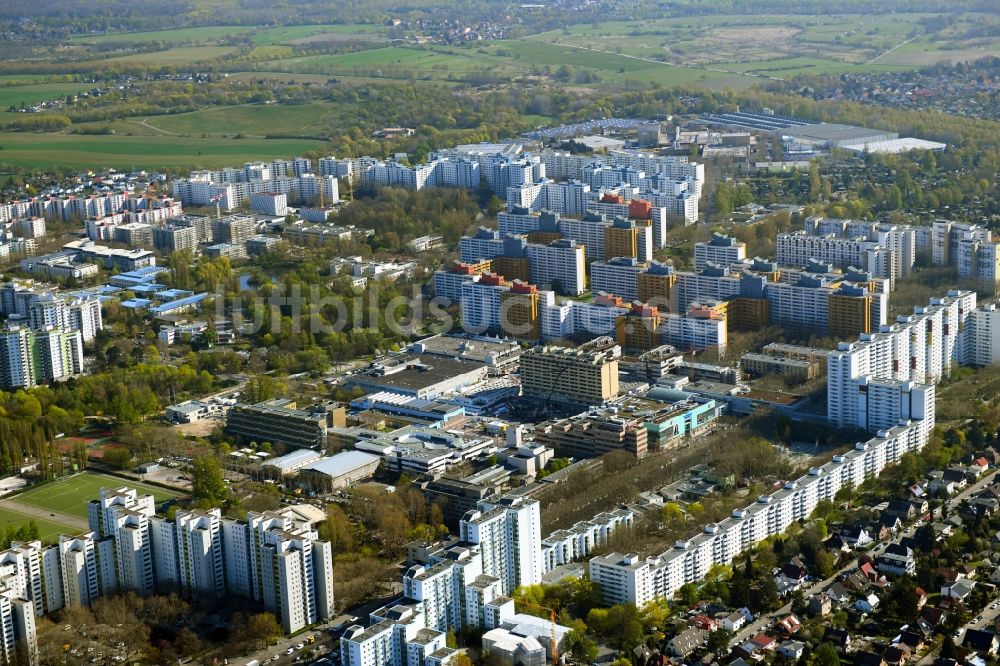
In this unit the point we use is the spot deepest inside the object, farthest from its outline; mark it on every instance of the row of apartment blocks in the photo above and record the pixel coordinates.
(520, 310)
(134, 207)
(636, 232)
(674, 182)
(185, 232)
(631, 579)
(198, 554)
(575, 198)
(32, 357)
(646, 304)
(268, 196)
(969, 248)
(891, 373)
(467, 584)
(39, 308)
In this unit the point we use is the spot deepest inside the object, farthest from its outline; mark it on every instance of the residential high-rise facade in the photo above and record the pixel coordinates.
(508, 534)
(585, 375)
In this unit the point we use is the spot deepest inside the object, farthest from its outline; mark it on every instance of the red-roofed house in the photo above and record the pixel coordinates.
(789, 625)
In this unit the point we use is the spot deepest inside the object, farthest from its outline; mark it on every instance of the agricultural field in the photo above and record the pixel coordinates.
(48, 529)
(289, 34)
(54, 150)
(180, 55)
(815, 44)
(317, 119)
(71, 495)
(194, 35)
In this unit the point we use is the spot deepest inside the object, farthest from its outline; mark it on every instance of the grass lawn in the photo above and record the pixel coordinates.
(71, 495)
(49, 530)
(49, 150)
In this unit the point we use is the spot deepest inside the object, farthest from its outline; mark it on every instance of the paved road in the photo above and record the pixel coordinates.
(46, 514)
(765, 621)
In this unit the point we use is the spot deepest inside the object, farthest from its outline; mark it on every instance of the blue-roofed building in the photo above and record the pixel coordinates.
(136, 303)
(173, 294)
(179, 305)
(146, 289)
(339, 471)
(145, 275)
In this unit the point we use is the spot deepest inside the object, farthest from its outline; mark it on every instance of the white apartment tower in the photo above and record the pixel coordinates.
(509, 537)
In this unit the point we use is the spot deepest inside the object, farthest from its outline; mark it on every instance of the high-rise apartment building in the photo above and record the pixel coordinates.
(584, 375)
(720, 250)
(508, 533)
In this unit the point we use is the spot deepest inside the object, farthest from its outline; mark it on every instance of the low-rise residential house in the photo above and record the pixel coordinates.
(820, 605)
(980, 464)
(956, 475)
(840, 638)
(959, 590)
(792, 650)
(888, 525)
(902, 509)
(788, 625)
(933, 616)
(764, 642)
(914, 640)
(867, 604)
(686, 642)
(981, 642)
(839, 594)
(865, 658)
(942, 530)
(894, 655)
(856, 535)
(837, 543)
(941, 486)
(734, 622)
(857, 581)
(897, 560)
(982, 506)
(704, 623)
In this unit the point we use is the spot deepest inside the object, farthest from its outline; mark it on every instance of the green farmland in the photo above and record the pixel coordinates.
(53, 150)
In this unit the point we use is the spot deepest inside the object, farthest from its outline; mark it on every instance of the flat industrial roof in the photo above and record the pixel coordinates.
(421, 373)
(342, 463)
(294, 459)
(894, 146)
(834, 132)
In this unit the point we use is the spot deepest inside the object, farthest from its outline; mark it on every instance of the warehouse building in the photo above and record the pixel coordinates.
(340, 471)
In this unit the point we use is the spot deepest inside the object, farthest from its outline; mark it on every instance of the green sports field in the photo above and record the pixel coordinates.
(49, 529)
(71, 495)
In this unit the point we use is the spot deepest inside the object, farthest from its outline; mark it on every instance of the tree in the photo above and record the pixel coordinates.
(825, 563)
(264, 627)
(718, 641)
(688, 594)
(117, 456)
(206, 481)
(826, 655)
